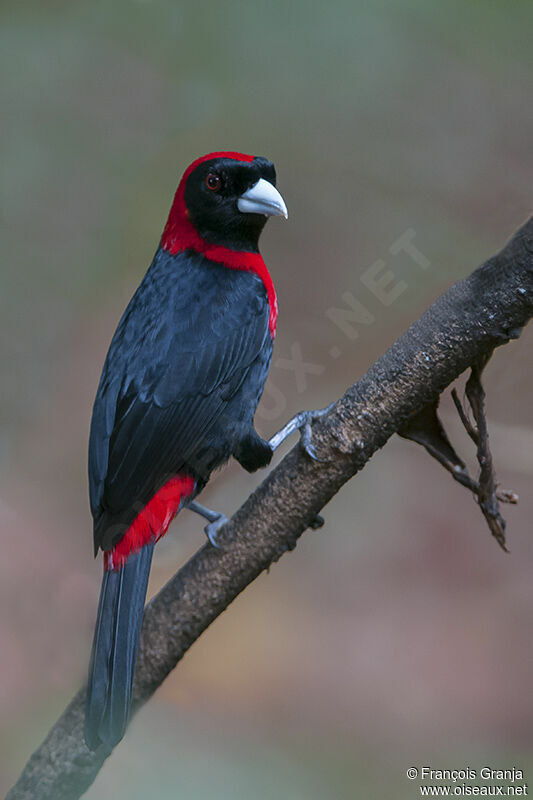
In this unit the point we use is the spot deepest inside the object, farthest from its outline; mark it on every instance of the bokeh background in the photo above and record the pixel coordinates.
(397, 635)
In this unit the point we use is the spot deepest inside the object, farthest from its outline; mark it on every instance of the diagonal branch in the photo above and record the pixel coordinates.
(461, 328)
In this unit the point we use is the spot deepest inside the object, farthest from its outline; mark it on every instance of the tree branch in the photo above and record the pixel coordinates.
(462, 327)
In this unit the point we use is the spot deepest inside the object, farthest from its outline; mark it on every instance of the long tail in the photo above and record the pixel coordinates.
(115, 645)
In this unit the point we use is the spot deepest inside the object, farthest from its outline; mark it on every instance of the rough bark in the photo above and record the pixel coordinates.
(460, 329)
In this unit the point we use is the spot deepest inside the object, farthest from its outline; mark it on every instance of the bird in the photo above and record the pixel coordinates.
(179, 388)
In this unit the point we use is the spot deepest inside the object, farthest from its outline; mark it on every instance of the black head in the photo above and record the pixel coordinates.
(228, 199)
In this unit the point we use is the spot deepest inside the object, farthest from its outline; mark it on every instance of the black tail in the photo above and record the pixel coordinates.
(115, 645)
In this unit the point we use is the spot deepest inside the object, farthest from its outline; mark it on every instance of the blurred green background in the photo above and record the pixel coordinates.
(397, 635)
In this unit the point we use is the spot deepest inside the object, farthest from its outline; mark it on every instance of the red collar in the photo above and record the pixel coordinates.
(179, 234)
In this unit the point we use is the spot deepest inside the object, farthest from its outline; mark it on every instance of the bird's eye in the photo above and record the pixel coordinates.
(213, 182)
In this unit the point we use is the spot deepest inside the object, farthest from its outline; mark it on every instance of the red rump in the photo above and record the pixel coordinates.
(152, 522)
(180, 234)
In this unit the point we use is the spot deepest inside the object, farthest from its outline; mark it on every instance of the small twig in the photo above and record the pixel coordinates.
(426, 429)
(487, 497)
(462, 476)
(507, 496)
(464, 417)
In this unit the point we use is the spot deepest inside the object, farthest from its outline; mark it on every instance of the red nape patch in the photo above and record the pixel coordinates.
(180, 234)
(153, 521)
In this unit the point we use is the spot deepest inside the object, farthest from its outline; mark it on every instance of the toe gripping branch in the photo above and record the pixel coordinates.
(427, 430)
(301, 422)
(215, 520)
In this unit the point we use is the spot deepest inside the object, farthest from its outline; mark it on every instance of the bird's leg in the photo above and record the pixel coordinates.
(301, 422)
(216, 520)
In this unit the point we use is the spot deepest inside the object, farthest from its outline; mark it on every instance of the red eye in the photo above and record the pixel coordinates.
(213, 182)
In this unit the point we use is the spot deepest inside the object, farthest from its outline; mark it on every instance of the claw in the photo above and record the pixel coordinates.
(212, 529)
(311, 452)
(302, 422)
(307, 444)
(216, 520)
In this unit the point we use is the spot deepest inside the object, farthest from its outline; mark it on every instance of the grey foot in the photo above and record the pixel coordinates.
(301, 422)
(216, 520)
(212, 529)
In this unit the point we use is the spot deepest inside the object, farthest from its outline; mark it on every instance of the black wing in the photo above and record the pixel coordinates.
(182, 350)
